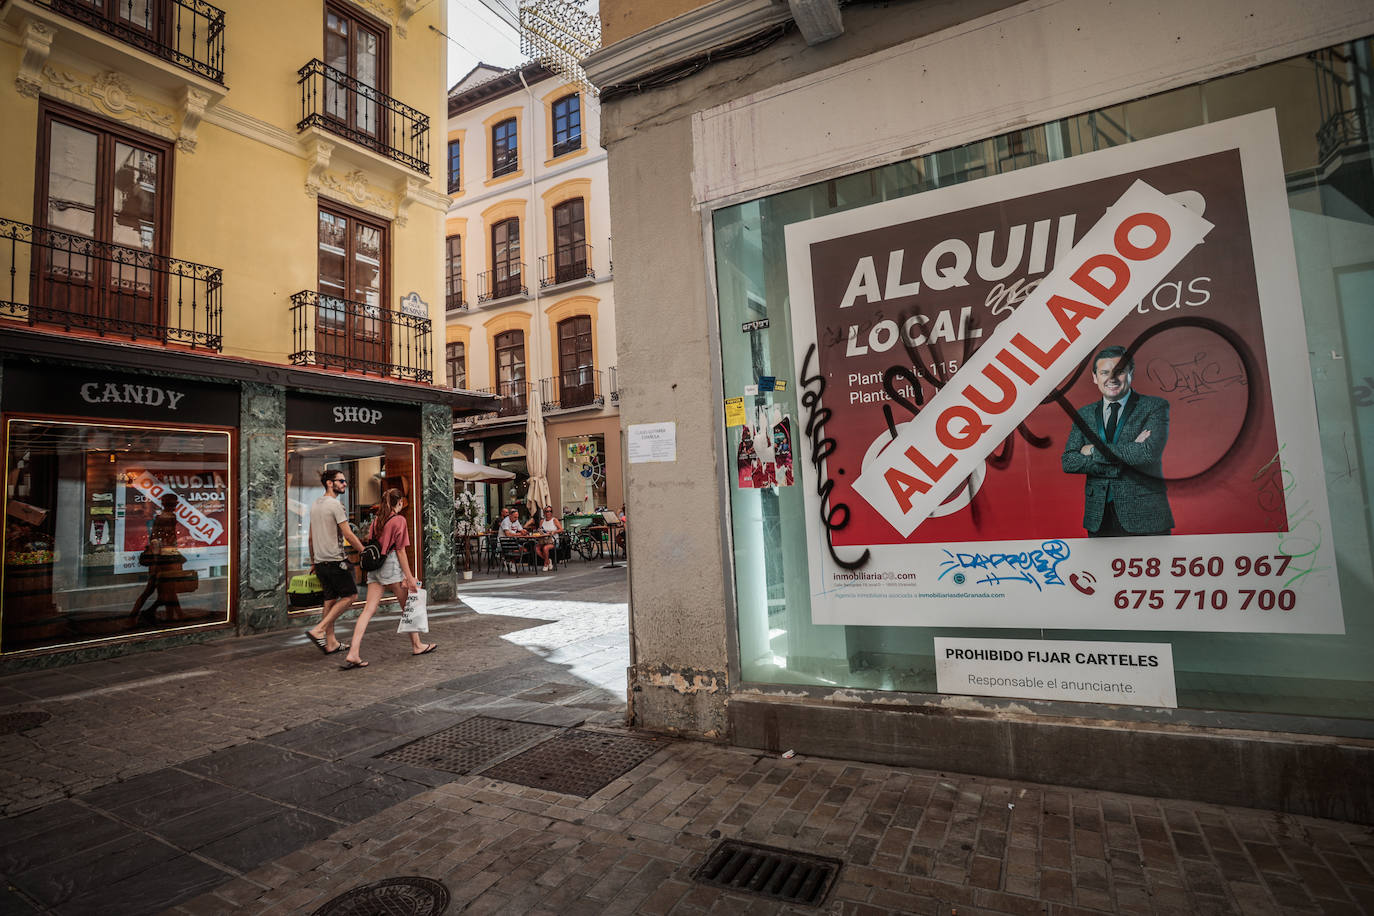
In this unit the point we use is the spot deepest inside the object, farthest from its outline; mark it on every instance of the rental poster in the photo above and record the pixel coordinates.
(198, 498)
(1071, 396)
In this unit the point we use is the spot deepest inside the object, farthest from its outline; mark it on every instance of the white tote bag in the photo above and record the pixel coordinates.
(415, 618)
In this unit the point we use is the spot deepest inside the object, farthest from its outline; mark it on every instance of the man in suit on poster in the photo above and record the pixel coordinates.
(1124, 493)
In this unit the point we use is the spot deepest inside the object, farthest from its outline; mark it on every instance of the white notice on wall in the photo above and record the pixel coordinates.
(651, 442)
(1126, 673)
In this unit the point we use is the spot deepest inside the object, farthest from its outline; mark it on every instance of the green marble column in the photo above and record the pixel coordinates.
(262, 508)
(436, 483)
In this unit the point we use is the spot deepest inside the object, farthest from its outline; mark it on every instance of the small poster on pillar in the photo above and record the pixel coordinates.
(1075, 395)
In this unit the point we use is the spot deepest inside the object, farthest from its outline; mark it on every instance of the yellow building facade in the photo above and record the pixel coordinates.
(222, 277)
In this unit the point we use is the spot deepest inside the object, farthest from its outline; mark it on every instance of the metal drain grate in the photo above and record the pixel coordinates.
(12, 723)
(469, 745)
(778, 874)
(577, 762)
(409, 896)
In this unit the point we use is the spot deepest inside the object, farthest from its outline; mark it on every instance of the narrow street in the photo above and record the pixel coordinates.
(253, 776)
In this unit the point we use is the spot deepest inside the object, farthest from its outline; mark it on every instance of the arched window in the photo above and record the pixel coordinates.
(505, 258)
(457, 365)
(510, 372)
(567, 125)
(576, 373)
(569, 241)
(453, 273)
(505, 148)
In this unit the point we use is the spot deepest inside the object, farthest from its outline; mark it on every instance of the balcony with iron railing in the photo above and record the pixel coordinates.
(512, 399)
(503, 283)
(186, 33)
(573, 389)
(335, 102)
(338, 333)
(454, 299)
(568, 265)
(72, 283)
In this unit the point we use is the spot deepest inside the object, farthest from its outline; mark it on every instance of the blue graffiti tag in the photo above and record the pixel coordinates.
(1038, 567)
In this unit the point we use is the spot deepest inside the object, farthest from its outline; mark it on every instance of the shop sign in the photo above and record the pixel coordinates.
(509, 450)
(350, 416)
(77, 392)
(958, 450)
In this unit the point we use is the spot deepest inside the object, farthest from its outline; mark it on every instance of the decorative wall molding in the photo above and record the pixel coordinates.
(317, 156)
(110, 93)
(193, 103)
(245, 125)
(353, 188)
(36, 40)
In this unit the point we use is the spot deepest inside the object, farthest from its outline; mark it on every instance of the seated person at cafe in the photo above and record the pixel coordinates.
(548, 526)
(510, 524)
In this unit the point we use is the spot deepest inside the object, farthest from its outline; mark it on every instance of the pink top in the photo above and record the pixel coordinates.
(395, 534)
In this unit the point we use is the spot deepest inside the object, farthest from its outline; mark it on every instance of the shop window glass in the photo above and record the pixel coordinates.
(371, 467)
(113, 531)
(1323, 112)
(582, 474)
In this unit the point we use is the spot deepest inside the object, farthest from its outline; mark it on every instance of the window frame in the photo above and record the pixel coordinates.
(571, 105)
(566, 265)
(505, 148)
(513, 281)
(453, 253)
(455, 355)
(455, 166)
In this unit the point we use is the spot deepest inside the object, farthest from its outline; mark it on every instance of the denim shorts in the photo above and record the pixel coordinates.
(389, 573)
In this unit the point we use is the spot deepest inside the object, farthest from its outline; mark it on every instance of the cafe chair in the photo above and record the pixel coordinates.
(513, 553)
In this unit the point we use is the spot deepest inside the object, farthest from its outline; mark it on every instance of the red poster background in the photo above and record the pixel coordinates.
(1215, 377)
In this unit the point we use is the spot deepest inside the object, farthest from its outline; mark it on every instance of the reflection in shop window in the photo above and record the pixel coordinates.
(583, 473)
(112, 531)
(370, 468)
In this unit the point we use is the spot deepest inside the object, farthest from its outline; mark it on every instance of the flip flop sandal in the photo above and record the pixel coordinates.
(432, 647)
(319, 643)
(349, 666)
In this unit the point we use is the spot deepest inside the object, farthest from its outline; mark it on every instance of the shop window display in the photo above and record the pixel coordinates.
(1317, 669)
(113, 531)
(583, 473)
(371, 467)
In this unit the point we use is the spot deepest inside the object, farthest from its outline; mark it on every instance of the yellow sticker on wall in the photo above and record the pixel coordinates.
(734, 412)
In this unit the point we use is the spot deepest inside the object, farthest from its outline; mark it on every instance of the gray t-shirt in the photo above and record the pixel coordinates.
(326, 543)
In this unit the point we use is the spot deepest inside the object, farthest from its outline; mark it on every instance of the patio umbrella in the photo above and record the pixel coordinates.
(472, 472)
(536, 456)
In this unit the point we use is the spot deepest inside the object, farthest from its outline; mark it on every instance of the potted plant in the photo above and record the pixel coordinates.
(468, 513)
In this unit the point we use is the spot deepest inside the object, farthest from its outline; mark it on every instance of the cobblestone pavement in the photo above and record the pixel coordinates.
(252, 776)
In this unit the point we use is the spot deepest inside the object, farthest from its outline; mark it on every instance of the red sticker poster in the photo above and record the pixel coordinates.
(1071, 396)
(196, 496)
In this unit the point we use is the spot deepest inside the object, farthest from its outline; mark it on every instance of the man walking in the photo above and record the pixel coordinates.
(329, 530)
(1124, 493)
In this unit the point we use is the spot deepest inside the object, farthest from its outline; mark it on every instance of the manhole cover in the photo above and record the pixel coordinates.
(12, 723)
(469, 745)
(407, 896)
(778, 874)
(576, 762)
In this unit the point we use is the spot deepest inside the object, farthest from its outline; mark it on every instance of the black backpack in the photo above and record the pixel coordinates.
(371, 558)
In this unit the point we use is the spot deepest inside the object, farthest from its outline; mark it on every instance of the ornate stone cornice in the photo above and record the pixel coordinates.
(36, 40)
(354, 188)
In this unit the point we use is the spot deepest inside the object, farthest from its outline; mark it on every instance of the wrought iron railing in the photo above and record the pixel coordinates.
(580, 387)
(513, 400)
(334, 101)
(491, 286)
(188, 33)
(1342, 131)
(357, 337)
(72, 282)
(453, 297)
(615, 386)
(566, 265)
(505, 163)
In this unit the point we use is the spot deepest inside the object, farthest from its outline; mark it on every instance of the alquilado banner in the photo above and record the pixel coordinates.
(1072, 396)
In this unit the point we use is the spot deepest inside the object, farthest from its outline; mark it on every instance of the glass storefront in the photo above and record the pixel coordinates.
(113, 530)
(582, 473)
(371, 467)
(1322, 107)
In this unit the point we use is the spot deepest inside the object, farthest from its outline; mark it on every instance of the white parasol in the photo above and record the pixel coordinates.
(536, 457)
(472, 472)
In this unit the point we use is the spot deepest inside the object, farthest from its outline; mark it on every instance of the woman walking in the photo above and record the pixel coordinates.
(393, 534)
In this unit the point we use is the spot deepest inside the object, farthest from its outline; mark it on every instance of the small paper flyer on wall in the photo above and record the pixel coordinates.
(1075, 395)
(763, 451)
